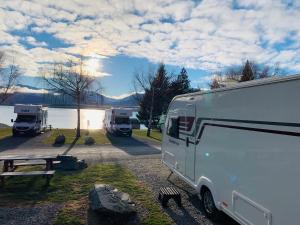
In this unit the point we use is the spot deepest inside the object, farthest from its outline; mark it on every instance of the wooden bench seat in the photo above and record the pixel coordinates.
(33, 163)
(48, 174)
(167, 193)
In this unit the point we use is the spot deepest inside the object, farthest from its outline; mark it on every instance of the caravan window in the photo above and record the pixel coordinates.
(26, 118)
(122, 120)
(173, 127)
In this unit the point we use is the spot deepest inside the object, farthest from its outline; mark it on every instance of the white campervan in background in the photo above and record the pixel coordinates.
(239, 148)
(117, 121)
(31, 119)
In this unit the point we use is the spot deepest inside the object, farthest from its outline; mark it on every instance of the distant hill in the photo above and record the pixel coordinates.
(2, 125)
(51, 98)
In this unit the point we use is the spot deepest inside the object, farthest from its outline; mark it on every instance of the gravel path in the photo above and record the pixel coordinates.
(40, 214)
(154, 174)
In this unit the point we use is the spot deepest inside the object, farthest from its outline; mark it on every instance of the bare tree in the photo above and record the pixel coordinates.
(215, 83)
(8, 78)
(72, 79)
(264, 73)
(142, 82)
(154, 101)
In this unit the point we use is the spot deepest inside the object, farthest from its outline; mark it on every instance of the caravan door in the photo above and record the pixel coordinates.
(188, 125)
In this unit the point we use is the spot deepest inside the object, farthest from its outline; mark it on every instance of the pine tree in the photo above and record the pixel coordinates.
(247, 73)
(181, 85)
(155, 100)
(183, 82)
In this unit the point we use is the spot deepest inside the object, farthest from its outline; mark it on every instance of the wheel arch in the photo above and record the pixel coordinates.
(206, 183)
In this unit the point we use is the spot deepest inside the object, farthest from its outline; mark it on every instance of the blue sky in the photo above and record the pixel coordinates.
(118, 37)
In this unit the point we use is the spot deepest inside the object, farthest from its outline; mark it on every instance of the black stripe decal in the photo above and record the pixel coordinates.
(252, 122)
(289, 133)
(280, 132)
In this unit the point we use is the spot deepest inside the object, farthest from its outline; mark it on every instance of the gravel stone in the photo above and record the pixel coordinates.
(152, 172)
(40, 214)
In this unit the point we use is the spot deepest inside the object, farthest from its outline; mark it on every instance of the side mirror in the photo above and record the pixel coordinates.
(39, 121)
(110, 122)
(12, 120)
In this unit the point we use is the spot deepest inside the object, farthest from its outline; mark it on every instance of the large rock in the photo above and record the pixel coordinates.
(107, 200)
(69, 162)
(60, 139)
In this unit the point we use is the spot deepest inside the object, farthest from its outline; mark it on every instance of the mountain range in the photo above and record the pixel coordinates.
(34, 95)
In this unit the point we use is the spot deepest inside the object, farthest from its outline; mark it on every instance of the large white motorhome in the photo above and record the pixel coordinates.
(31, 119)
(117, 121)
(239, 148)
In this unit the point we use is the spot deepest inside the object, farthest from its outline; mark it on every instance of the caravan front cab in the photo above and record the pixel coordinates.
(31, 119)
(117, 121)
(239, 148)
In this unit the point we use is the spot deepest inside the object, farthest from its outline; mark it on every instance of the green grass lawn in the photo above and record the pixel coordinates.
(98, 135)
(71, 190)
(154, 135)
(5, 132)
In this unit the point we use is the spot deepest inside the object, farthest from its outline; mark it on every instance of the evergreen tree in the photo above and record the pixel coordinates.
(181, 85)
(155, 100)
(247, 73)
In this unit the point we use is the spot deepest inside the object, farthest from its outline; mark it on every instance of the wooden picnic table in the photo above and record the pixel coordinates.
(10, 159)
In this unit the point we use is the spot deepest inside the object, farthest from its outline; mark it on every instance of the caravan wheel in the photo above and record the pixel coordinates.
(208, 203)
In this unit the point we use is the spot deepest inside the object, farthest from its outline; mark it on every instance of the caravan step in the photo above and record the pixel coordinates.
(167, 193)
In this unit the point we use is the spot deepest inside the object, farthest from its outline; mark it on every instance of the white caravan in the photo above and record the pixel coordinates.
(239, 148)
(31, 119)
(117, 121)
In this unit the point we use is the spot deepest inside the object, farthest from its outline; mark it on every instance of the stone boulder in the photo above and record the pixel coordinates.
(69, 162)
(60, 139)
(89, 140)
(107, 200)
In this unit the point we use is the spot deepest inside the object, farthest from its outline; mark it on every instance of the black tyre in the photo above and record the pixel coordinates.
(208, 204)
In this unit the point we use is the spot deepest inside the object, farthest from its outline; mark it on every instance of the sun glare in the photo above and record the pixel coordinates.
(92, 119)
(93, 65)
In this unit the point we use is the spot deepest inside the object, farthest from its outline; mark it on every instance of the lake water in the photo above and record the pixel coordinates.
(62, 118)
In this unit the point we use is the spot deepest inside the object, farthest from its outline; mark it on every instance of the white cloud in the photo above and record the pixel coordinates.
(206, 35)
(34, 42)
(26, 90)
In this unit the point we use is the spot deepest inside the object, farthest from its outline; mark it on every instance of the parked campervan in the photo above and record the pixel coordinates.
(239, 148)
(31, 119)
(117, 121)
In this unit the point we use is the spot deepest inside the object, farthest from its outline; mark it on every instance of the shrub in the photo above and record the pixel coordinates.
(89, 140)
(60, 139)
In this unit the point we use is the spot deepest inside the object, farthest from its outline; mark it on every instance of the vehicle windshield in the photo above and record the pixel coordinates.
(26, 118)
(122, 120)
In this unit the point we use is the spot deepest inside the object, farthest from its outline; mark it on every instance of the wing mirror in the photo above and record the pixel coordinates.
(12, 120)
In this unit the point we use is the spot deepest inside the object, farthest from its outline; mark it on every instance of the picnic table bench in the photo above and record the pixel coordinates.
(48, 174)
(9, 166)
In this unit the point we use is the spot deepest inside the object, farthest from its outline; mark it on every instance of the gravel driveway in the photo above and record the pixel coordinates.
(154, 174)
(40, 214)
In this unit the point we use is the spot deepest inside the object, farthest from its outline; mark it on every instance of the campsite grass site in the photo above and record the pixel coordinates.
(69, 191)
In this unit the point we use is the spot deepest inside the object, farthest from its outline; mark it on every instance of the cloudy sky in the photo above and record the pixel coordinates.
(118, 37)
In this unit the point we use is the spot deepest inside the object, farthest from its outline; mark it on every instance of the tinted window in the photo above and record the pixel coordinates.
(26, 118)
(122, 120)
(173, 127)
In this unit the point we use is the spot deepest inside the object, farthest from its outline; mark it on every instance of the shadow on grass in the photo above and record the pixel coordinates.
(64, 186)
(12, 142)
(71, 146)
(132, 146)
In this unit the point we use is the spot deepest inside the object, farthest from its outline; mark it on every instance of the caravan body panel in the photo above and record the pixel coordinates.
(246, 142)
